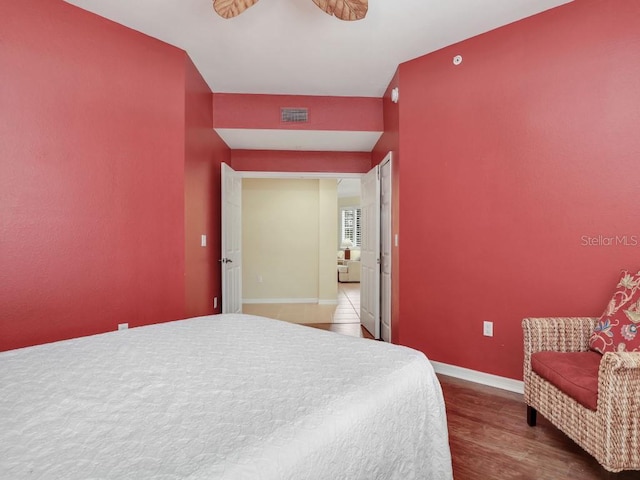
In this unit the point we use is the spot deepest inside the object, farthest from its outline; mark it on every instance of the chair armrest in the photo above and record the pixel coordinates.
(619, 381)
(354, 270)
(555, 334)
(354, 264)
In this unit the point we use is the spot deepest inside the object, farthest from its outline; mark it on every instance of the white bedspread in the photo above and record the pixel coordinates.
(221, 397)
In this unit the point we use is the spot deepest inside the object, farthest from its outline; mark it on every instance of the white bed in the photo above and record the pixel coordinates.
(221, 397)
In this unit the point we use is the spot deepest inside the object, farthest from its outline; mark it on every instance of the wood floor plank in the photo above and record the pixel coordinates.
(490, 439)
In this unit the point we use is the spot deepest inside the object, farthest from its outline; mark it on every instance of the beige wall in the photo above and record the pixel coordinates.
(285, 240)
(327, 212)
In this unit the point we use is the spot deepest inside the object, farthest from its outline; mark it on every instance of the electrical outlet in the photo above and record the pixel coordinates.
(215, 302)
(259, 278)
(487, 329)
(123, 326)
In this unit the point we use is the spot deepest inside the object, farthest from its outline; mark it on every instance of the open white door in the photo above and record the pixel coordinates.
(370, 253)
(385, 248)
(231, 259)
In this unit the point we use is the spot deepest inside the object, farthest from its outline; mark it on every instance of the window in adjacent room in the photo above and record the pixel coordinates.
(351, 225)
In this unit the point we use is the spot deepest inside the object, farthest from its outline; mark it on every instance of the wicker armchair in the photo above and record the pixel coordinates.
(611, 434)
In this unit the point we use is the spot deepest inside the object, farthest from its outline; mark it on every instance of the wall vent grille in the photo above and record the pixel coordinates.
(294, 115)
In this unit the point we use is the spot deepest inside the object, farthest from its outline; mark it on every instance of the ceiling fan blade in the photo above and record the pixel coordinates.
(344, 9)
(232, 8)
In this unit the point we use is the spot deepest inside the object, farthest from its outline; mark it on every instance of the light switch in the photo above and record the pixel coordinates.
(203, 241)
(487, 328)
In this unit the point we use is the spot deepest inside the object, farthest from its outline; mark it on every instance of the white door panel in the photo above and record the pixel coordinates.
(370, 251)
(231, 260)
(385, 249)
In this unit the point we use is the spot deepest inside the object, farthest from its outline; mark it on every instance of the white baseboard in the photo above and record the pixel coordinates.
(328, 302)
(496, 381)
(279, 300)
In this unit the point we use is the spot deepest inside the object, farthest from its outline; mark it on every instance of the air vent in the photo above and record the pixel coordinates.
(294, 115)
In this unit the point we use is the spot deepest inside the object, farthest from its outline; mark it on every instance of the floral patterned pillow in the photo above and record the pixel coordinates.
(618, 329)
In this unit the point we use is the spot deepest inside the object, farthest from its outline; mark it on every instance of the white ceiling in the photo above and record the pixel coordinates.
(292, 47)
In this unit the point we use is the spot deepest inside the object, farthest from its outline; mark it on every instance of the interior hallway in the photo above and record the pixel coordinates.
(342, 318)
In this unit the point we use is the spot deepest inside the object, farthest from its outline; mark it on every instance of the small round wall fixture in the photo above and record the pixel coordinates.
(457, 60)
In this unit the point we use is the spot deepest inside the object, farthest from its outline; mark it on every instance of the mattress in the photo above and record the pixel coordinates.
(221, 397)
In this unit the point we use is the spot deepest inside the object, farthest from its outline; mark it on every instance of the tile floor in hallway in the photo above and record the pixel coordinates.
(342, 318)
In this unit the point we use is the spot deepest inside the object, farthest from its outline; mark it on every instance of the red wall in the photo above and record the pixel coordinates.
(92, 190)
(294, 161)
(325, 113)
(390, 142)
(507, 161)
(204, 152)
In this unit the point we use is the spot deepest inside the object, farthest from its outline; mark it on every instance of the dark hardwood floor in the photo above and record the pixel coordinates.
(490, 439)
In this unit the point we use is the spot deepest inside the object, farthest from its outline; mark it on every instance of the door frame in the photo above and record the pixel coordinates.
(308, 175)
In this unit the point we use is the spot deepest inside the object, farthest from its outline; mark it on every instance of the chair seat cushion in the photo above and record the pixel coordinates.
(574, 373)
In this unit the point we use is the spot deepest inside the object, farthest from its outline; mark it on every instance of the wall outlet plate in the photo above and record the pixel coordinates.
(123, 326)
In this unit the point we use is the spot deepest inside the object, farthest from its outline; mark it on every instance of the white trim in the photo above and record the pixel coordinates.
(328, 302)
(279, 300)
(298, 175)
(475, 376)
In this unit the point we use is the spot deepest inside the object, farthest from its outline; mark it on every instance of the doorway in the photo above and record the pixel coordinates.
(376, 283)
